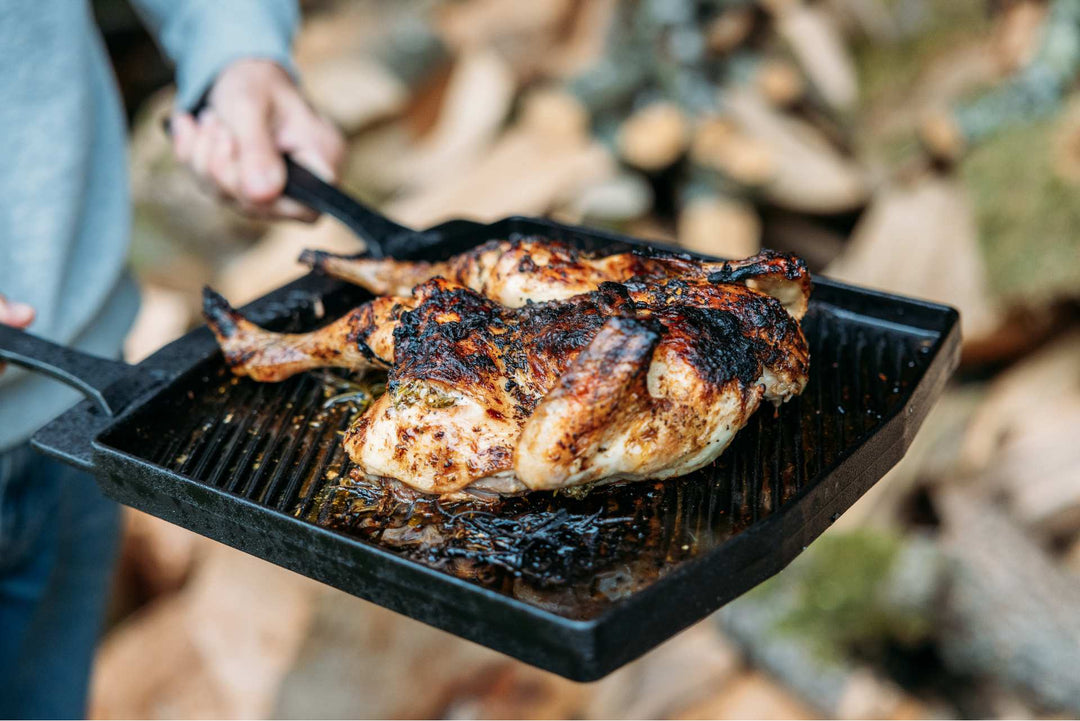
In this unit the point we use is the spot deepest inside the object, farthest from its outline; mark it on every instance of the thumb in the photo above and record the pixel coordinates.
(18, 315)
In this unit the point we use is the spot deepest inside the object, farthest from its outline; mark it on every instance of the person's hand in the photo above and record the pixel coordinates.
(254, 114)
(17, 315)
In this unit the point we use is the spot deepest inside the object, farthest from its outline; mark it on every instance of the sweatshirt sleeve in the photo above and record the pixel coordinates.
(202, 37)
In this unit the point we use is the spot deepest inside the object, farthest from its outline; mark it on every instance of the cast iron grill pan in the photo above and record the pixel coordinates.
(576, 585)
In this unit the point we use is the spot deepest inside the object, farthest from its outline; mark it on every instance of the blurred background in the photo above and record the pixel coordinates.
(926, 147)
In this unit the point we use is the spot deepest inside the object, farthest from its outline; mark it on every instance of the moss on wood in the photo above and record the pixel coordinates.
(1028, 216)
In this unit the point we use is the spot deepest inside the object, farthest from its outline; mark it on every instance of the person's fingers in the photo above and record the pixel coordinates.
(316, 162)
(294, 135)
(310, 139)
(182, 128)
(202, 151)
(289, 208)
(224, 164)
(265, 116)
(262, 171)
(282, 208)
(17, 315)
(311, 142)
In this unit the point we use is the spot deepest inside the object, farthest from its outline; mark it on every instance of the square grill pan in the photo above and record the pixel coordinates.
(575, 585)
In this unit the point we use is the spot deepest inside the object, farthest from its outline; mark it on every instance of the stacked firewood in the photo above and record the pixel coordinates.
(683, 116)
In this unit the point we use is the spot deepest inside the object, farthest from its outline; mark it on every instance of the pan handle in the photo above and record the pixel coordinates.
(97, 378)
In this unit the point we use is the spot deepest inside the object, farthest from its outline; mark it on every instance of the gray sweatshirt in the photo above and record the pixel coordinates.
(64, 199)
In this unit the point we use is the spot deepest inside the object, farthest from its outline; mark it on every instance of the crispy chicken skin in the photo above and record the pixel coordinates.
(514, 272)
(648, 378)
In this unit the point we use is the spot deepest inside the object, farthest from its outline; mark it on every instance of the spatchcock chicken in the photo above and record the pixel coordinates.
(528, 365)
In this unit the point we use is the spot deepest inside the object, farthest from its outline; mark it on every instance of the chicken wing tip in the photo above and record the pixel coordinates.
(220, 316)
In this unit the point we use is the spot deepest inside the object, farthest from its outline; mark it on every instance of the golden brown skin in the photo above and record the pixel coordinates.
(515, 272)
(643, 379)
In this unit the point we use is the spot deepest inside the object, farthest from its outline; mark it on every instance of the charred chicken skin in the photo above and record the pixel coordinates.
(515, 272)
(647, 378)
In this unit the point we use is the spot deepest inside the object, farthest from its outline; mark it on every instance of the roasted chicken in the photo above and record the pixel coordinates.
(646, 378)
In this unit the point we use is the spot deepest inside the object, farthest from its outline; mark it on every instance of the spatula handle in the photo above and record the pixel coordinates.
(375, 229)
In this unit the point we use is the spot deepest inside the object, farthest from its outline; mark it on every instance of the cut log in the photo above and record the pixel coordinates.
(870, 19)
(610, 201)
(1017, 33)
(653, 228)
(654, 137)
(610, 84)
(474, 107)
(218, 649)
(751, 695)
(555, 113)
(1039, 468)
(1020, 440)
(374, 160)
(711, 139)
(164, 315)
(834, 688)
(1032, 249)
(726, 227)
(355, 91)
(739, 158)
(349, 28)
(780, 82)
(359, 69)
(1067, 144)
(1013, 397)
(159, 555)
(731, 28)
(921, 240)
(411, 49)
(476, 23)
(1037, 89)
(813, 241)
(815, 41)
(1011, 613)
(811, 175)
(360, 660)
(789, 630)
(583, 39)
(272, 263)
(941, 136)
(675, 678)
(508, 689)
(526, 170)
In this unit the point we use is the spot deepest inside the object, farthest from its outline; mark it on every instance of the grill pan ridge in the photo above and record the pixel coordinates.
(260, 467)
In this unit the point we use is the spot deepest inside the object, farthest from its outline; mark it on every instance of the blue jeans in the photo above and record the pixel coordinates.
(58, 542)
